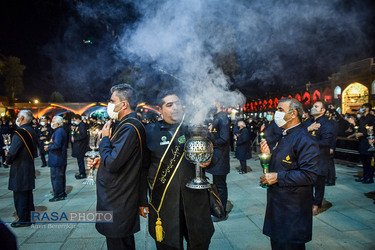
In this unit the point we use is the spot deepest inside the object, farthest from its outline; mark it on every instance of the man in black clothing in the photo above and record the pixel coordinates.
(367, 120)
(182, 212)
(219, 168)
(79, 145)
(118, 177)
(293, 171)
(45, 133)
(321, 129)
(22, 171)
(272, 133)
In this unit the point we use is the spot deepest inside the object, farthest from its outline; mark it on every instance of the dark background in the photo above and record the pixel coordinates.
(36, 32)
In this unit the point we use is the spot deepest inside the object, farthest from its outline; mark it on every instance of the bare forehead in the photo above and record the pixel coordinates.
(171, 99)
(283, 105)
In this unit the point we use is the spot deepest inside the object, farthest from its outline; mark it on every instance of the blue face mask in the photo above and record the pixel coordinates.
(361, 110)
(269, 118)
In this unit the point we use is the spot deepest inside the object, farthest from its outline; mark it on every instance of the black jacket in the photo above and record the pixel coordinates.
(22, 170)
(289, 201)
(79, 145)
(194, 204)
(272, 134)
(118, 178)
(220, 137)
(58, 148)
(368, 120)
(324, 136)
(243, 150)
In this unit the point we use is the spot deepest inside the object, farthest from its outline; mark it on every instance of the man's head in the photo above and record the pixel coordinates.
(289, 113)
(57, 121)
(270, 115)
(366, 108)
(24, 117)
(76, 119)
(123, 101)
(170, 107)
(318, 109)
(241, 125)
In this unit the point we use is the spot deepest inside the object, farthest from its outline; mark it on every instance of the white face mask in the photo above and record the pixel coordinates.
(314, 111)
(42, 123)
(359, 116)
(18, 122)
(111, 111)
(279, 118)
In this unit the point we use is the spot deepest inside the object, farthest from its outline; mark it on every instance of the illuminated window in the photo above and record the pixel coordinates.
(337, 92)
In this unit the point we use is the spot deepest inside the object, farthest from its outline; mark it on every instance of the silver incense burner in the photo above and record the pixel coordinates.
(198, 150)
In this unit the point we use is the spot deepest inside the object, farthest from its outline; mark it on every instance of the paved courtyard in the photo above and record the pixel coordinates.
(348, 224)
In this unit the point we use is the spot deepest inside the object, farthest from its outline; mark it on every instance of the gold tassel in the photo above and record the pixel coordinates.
(159, 231)
(372, 161)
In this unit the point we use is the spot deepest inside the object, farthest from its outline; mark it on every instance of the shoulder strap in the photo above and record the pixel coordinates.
(27, 139)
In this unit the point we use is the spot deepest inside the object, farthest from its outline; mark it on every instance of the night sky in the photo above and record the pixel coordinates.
(51, 39)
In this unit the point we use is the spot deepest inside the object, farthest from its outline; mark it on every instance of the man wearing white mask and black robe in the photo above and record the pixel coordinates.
(292, 173)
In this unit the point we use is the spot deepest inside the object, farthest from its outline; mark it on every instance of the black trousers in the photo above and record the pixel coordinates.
(243, 165)
(24, 203)
(287, 246)
(58, 180)
(43, 156)
(368, 170)
(81, 164)
(127, 243)
(184, 234)
(331, 177)
(221, 183)
(319, 187)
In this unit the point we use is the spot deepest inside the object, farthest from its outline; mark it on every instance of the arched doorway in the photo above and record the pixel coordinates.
(353, 97)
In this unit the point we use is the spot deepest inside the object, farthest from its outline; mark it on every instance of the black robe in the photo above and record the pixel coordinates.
(289, 201)
(22, 170)
(118, 179)
(193, 203)
(79, 146)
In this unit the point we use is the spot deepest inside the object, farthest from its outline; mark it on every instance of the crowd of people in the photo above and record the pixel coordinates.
(142, 170)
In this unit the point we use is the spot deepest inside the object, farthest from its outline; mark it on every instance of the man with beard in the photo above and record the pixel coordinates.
(293, 171)
(321, 129)
(175, 211)
(22, 171)
(118, 177)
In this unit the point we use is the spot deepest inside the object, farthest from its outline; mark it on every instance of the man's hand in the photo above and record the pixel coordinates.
(45, 148)
(331, 151)
(143, 211)
(106, 131)
(357, 135)
(262, 127)
(264, 146)
(269, 178)
(314, 126)
(43, 129)
(43, 138)
(6, 152)
(93, 163)
(371, 141)
(203, 165)
(210, 128)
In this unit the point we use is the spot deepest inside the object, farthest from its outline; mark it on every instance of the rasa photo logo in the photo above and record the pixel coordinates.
(70, 217)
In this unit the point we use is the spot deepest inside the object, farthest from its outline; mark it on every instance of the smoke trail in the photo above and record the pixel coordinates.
(213, 46)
